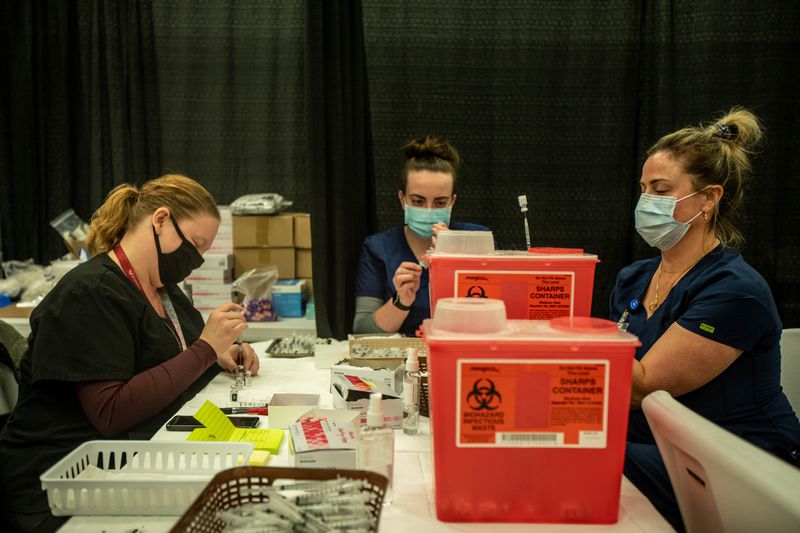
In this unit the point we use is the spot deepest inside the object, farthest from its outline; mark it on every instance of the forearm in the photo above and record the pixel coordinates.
(639, 388)
(115, 406)
(389, 317)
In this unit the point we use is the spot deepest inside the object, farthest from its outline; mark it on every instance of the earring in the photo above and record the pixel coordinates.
(705, 216)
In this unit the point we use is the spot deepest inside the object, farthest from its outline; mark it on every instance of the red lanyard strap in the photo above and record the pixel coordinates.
(127, 268)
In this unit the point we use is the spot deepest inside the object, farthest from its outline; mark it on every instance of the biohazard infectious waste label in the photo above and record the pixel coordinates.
(532, 403)
(541, 295)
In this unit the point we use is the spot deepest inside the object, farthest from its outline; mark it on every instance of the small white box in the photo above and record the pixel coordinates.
(391, 376)
(351, 392)
(324, 443)
(285, 408)
(215, 260)
(210, 275)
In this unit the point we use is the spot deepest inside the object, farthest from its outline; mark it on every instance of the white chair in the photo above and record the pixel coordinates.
(722, 482)
(790, 366)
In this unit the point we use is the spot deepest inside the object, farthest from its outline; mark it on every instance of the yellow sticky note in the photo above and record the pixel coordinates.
(257, 458)
(219, 428)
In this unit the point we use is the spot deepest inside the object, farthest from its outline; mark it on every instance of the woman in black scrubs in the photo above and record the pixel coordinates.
(116, 347)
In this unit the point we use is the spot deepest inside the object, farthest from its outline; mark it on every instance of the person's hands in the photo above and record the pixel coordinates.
(406, 281)
(229, 359)
(439, 226)
(224, 324)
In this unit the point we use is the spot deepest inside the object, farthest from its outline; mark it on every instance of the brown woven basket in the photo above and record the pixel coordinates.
(225, 491)
(371, 341)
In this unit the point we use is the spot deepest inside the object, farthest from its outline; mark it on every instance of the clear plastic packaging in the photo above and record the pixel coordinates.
(259, 204)
(73, 230)
(465, 242)
(256, 285)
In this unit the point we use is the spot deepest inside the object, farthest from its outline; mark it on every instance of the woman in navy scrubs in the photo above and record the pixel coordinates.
(707, 320)
(391, 286)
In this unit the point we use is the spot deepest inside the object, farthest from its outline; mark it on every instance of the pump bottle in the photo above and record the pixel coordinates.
(411, 380)
(375, 447)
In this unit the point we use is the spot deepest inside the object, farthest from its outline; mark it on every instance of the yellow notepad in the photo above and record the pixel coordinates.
(219, 428)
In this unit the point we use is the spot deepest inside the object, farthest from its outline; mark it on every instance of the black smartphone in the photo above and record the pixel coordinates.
(188, 423)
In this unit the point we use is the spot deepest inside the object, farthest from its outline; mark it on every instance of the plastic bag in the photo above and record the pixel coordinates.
(20, 276)
(256, 285)
(74, 231)
(259, 204)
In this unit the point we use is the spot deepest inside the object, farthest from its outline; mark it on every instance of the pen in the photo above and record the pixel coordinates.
(245, 410)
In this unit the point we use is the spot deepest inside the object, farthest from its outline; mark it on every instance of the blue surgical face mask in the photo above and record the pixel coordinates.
(655, 220)
(421, 219)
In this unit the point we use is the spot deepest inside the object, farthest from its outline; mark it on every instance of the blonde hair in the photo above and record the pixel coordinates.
(718, 153)
(429, 153)
(126, 205)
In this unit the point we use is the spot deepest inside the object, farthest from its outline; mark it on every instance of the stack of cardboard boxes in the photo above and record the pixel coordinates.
(283, 240)
(210, 285)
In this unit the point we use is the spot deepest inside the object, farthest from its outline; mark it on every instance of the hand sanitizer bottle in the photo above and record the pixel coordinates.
(411, 394)
(375, 447)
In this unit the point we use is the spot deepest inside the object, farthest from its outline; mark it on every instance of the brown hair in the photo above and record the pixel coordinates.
(429, 153)
(718, 153)
(126, 205)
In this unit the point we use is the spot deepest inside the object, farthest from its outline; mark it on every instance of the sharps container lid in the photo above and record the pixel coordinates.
(470, 315)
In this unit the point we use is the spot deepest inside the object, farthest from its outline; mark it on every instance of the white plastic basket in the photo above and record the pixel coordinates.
(146, 478)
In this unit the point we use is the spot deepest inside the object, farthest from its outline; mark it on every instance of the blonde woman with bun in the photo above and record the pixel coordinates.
(391, 286)
(116, 348)
(708, 323)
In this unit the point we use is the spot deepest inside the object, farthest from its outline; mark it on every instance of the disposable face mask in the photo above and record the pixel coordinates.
(655, 220)
(175, 266)
(421, 219)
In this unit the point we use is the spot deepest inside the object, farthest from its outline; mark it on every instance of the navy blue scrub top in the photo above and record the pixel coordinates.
(723, 299)
(381, 254)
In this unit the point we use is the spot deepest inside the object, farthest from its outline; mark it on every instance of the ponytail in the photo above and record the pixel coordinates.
(112, 219)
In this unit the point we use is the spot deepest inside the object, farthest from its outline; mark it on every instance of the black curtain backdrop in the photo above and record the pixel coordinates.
(551, 99)
(339, 141)
(79, 113)
(560, 100)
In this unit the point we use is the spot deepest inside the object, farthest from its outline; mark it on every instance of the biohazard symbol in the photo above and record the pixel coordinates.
(476, 291)
(484, 396)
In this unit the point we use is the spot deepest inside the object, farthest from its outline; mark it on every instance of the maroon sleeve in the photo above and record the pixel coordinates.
(116, 406)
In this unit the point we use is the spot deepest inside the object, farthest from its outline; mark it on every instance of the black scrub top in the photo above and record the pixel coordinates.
(94, 325)
(723, 299)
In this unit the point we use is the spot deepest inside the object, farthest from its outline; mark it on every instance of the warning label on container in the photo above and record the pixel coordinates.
(528, 295)
(532, 403)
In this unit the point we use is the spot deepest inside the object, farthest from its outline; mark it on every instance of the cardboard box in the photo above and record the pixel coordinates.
(248, 258)
(302, 230)
(289, 298)
(324, 444)
(274, 231)
(214, 290)
(390, 375)
(302, 263)
(351, 392)
(285, 408)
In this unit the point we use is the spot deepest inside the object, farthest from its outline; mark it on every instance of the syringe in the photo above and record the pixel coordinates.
(523, 206)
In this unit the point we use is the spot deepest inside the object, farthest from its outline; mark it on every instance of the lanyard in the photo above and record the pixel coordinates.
(127, 268)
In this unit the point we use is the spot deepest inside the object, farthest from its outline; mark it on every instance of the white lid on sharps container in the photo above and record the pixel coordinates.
(375, 410)
(470, 315)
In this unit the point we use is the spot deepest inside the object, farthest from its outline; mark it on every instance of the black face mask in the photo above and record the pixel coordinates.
(175, 266)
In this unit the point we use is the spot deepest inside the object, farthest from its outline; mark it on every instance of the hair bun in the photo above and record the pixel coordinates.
(430, 147)
(729, 132)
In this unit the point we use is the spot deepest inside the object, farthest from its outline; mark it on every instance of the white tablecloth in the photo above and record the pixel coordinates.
(413, 507)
